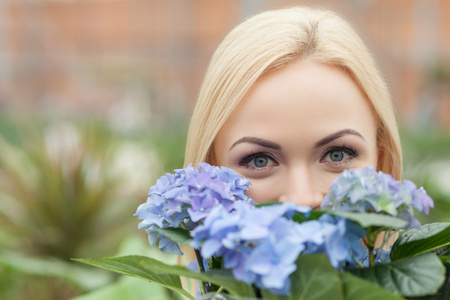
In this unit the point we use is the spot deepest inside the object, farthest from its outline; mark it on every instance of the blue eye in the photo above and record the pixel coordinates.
(258, 161)
(337, 155)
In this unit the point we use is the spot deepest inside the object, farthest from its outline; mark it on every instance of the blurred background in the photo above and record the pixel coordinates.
(95, 98)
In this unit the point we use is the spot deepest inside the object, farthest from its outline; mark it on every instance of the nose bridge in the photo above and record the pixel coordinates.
(301, 187)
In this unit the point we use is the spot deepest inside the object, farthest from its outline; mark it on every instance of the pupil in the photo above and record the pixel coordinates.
(261, 162)
(337, 156)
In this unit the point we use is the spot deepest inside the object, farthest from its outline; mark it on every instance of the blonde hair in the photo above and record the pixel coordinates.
(271, 40)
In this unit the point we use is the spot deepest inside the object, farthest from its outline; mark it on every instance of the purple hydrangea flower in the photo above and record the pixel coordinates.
(366, 190)
(187, 197)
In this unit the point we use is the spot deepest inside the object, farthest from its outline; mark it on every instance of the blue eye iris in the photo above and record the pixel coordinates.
(260, 162)
(337, 155)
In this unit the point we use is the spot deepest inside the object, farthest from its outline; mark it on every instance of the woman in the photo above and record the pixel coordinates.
(291, 98)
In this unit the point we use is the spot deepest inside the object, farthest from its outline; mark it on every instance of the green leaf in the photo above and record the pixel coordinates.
(268, 203)
(298, 217)
(225, 279)
(444, 291)
(314, 279)
(129, 288)
(313, 215)
(372, 219)
(445, 259)
(429, 237)
(178, 235)
(84, 277)
(150, 269)
(140, 267)
(266, 295)
(415, 276)
(356, 288)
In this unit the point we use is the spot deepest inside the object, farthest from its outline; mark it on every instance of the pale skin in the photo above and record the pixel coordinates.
(296, 130)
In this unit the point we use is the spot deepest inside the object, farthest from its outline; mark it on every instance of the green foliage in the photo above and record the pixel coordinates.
(25, 286)
(415, 276)
(167, 275)
(129, 288)
(68, 188)
(314, 278)
(430, 237)
(59, 190)
(141, 267)
(179, 235)
(368, 220)
(79, 276)
(308, 281)
(169, 144)
(426, 154)
(356, 288)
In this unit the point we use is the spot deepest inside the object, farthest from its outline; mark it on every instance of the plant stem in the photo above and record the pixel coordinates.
(370, 245)
(203, 285)
(217, 292)
(182, 225)
(371, 256)
(358, 263)
(257, 291)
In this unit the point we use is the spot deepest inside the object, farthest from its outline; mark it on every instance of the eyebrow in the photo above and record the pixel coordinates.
(257, 141)
(275, 146)
(336, 135)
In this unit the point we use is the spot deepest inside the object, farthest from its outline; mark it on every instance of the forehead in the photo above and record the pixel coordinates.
(304, 97)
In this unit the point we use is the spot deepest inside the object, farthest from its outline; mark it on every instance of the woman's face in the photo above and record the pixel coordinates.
(295, 131)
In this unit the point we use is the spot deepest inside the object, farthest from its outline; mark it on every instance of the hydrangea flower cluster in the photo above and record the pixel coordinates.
(187, 197)
(341, 240)
(366, 190)
(261, 244)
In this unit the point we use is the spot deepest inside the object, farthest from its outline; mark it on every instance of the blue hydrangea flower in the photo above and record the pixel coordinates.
(260, 245)
(187, 197)
(366, 190)
(342, 240)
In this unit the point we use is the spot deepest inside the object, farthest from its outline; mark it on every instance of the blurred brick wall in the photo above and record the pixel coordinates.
(132, 60)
